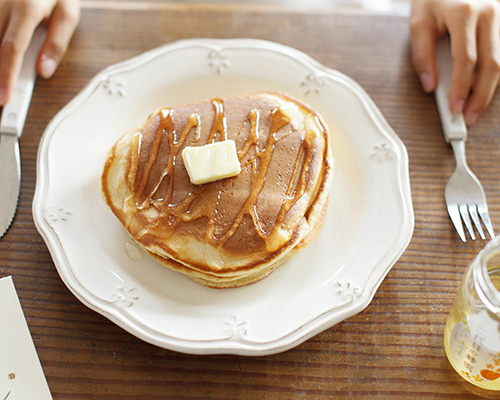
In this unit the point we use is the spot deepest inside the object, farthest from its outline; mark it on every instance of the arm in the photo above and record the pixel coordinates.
(18, 20)
(474, 28)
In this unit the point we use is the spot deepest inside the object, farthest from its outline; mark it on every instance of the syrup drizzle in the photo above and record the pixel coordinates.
(171, 215)
(219, 126)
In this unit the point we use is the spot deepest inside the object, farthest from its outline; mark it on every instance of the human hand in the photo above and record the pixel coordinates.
(474, 28)
(18, 20)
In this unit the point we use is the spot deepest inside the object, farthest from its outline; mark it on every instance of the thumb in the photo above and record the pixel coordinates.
(61, 27)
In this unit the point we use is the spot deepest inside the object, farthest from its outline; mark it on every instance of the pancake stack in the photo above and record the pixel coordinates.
(233, 231)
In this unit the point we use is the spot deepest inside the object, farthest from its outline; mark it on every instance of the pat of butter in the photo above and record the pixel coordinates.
(211, 162)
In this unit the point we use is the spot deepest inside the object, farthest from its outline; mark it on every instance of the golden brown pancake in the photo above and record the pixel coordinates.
(233, 231)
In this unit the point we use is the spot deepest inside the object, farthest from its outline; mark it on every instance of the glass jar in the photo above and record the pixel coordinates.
(472, 333)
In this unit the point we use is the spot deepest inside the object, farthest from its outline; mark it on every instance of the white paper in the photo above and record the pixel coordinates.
(21, 375)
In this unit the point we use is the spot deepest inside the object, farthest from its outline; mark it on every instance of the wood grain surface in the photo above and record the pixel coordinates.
(391, 350)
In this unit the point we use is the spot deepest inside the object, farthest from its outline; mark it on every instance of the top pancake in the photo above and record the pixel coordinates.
(239, 223)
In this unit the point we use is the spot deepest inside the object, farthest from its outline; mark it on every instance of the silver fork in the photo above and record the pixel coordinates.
(464, 193)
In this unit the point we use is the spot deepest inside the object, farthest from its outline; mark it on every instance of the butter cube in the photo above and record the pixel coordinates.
(211, 162)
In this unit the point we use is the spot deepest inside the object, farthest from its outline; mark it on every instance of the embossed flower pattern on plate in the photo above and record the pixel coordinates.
(56, 214)
(237, 327)
(382, 152)
(125, 296)
(114, 86)
(312, 84)
(218, 59)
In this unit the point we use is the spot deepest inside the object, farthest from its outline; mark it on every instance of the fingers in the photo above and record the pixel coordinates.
(462, 25)
(423, 44)
(4, 17)
(62, 25)
(488, 74)
(18, 20)
(16, 39)
(474, 28)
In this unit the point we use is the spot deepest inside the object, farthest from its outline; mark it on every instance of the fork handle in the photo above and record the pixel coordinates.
(454, 127)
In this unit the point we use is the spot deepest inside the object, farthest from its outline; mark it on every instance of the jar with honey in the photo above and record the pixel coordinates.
(472, 332)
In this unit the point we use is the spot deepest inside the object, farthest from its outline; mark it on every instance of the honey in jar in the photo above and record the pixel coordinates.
(472, 333)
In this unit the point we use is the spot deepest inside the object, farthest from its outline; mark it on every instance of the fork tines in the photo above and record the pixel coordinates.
(466, 212)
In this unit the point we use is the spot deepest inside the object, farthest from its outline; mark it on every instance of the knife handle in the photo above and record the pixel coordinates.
(454, 127)
(15, 111)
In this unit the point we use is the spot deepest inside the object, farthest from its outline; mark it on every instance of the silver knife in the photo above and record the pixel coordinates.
(11, 127)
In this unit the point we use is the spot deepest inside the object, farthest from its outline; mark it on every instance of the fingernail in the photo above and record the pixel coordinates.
(458, 107)
(471, 117)
(47, 67)
(426, 81)
(2, 96)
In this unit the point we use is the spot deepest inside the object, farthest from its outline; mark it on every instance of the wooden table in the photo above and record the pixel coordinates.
(391, 350)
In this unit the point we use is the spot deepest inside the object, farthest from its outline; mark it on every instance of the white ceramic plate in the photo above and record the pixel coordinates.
(368, 225)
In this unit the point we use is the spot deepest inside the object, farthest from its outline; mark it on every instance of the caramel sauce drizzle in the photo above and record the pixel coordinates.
(165, 128)
(253, 137)
(277, 121)
(134, 160)
(153, 155)
(168, 211)
(219, 125)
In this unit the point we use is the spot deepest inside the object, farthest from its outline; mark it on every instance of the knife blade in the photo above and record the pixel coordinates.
(11, 127)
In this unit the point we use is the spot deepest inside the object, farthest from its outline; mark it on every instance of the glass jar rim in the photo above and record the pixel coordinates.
(485, 288)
